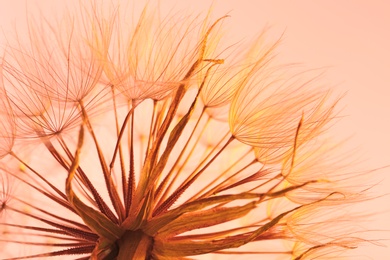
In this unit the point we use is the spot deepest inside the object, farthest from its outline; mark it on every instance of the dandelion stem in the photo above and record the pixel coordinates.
(122, 161)
(39, 175)
(209, 154)
(172, 199)
(152, 129)
(113, 193)
(131, 180)
(97, 199)
(164, 183)
(218, 187)
(120, 137)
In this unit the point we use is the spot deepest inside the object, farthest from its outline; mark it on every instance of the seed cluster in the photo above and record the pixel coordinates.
(157, 140)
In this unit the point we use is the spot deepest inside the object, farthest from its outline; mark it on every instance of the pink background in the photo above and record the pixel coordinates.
(351, 37)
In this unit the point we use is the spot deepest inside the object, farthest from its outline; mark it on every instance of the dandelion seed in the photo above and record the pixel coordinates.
(150, 141)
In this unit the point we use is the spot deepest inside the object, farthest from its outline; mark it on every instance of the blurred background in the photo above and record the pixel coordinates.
(350, 38)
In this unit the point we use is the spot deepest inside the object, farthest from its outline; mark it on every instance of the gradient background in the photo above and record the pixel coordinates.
(351, 37)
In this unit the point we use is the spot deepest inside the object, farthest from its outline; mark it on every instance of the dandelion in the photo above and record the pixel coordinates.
(151, 140)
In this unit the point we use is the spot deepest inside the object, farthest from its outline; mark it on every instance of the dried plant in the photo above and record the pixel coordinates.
(156, 140)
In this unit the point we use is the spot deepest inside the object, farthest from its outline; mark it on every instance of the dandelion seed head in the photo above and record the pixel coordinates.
(155, 139)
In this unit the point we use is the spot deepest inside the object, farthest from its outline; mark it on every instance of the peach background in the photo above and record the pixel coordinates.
(352, 37)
